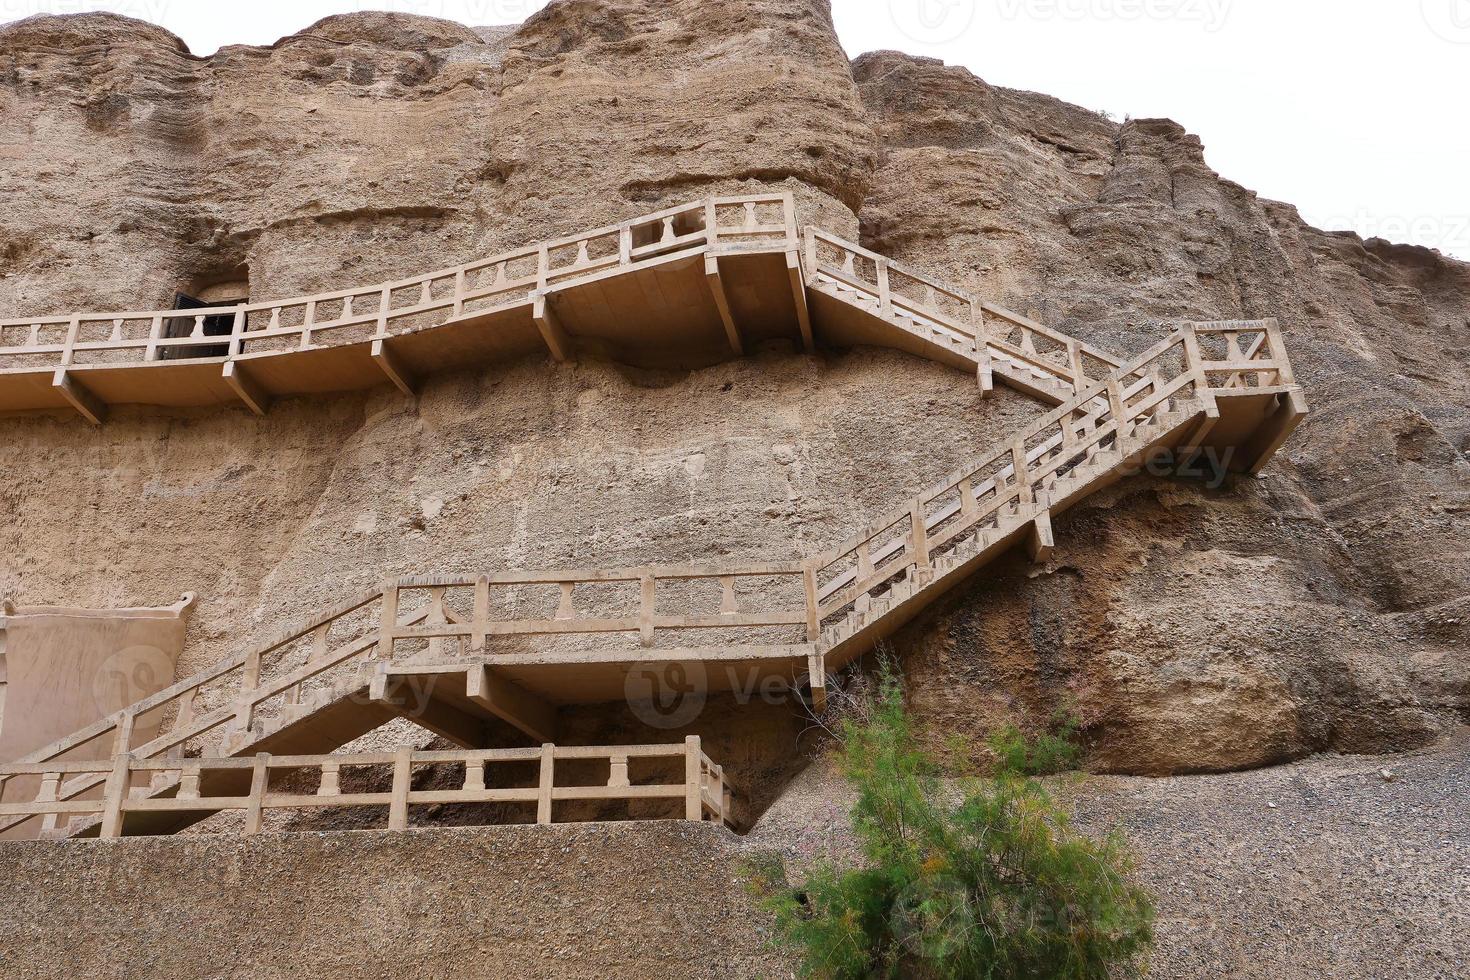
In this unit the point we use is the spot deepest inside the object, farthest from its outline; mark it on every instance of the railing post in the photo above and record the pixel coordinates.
(122, 741)
(474, 776)
(237, 334)
(625, 244)
(788, 208)
(617, 772)
(249, 684)
(546, 784)
(459, 291)
(1285, 374)
(885, 293)
(68, 351)
(255, 806)
(986, 371)
(114, 795)
(1021, 473)
(49, 783)
(388, 625)
(645, 610)
(155, 333)
(693, 801)
(383, 304)
(711, 233)
(189, 783)
(813, 611)
(1115, 405)
(331, 781)
(919, 535)
(864, 600)
(402, 782)
(1192, 357)
(481, 628)
(1074, 360)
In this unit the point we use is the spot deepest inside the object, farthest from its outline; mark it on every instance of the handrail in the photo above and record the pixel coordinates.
(396, 306)
(974, 326)
(1075, 430)
(1015, 477)
(701, 786)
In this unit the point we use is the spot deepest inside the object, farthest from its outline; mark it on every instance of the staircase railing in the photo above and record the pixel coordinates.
(1015, 479)
(955, 317)
(393, 308)
(735, 606)
(700, 788)
(757, 609)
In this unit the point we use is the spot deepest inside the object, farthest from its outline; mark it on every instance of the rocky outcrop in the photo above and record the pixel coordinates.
(1191, 627)
(1323, 606)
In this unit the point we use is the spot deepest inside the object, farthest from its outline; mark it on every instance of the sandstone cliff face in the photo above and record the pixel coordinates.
(1322, 607)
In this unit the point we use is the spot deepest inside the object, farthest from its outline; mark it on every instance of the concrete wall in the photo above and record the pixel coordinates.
(67, 668)
(613, 900)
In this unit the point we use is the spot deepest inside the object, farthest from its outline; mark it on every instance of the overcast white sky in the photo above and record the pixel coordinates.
(1354, 110)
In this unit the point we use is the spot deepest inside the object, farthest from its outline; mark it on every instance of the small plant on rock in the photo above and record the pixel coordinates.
(992, 884)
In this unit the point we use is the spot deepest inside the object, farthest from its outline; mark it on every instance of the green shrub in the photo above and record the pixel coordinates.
(993, 884)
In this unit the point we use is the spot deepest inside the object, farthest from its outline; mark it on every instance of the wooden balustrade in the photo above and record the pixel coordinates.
(1014, 480)
(954, 316)
(381, 310)
(218, 711)
(701, 788)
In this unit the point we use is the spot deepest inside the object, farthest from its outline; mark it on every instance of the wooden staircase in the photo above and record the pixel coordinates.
(465, 656)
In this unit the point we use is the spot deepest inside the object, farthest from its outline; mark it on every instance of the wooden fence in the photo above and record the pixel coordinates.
(383, 310)
(702, 790)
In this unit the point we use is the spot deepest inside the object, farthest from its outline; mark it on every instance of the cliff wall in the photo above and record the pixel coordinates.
(1192, 628)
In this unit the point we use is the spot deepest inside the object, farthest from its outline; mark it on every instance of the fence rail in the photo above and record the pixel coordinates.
(956, 317)
(384, 310)
(702, 787)
(768, 609)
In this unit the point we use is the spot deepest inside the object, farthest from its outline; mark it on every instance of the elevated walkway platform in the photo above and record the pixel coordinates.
(468, 655)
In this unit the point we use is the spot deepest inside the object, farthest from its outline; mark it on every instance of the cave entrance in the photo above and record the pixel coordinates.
(230, 293)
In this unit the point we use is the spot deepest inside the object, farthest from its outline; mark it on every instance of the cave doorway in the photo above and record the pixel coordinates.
(233, 292)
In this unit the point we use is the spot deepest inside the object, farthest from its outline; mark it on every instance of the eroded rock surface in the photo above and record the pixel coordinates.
(1191, 627)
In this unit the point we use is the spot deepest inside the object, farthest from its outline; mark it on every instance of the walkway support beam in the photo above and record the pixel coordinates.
(88, 405)
(551, 329)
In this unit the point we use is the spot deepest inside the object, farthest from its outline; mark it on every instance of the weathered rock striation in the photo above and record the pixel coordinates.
(1192, 627)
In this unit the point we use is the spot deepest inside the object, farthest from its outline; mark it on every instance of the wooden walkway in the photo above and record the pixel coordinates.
(458, 653)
